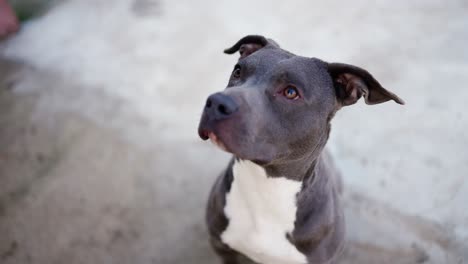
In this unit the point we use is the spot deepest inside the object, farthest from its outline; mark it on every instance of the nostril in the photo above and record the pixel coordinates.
(223, 110)
(208, 103)
(219, 106)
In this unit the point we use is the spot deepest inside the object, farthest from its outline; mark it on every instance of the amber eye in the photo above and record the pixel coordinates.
(236, 73)
(291, 92)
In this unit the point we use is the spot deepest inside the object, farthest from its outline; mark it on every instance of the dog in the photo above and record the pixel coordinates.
(278, 201)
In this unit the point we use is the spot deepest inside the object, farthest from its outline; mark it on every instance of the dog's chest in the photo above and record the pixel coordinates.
(261, 211)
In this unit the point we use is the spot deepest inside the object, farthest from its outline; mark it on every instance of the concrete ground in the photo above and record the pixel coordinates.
(100, 161)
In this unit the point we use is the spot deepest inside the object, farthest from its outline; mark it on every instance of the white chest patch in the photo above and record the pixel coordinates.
(261, 211)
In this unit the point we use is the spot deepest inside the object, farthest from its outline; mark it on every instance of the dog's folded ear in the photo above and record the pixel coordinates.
(250, 44)
(352, 82)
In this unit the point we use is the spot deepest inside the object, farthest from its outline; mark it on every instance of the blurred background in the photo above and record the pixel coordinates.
(100, 161)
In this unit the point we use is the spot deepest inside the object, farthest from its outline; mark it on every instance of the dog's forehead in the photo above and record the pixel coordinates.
(270, 58)
(267, 57)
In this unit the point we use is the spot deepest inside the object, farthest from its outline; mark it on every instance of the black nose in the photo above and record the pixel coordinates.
(220, 106)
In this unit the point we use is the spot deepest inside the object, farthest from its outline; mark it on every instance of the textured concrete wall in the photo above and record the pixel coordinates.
(99, 103)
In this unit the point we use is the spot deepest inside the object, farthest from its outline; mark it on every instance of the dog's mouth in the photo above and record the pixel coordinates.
(224, 142)
(205, 135)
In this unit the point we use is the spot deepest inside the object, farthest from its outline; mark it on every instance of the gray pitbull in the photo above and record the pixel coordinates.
(278, 200)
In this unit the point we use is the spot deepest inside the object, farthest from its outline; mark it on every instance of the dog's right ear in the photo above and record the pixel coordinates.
(250, 44)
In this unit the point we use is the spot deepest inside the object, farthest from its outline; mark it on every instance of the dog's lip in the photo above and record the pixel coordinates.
(206, 134)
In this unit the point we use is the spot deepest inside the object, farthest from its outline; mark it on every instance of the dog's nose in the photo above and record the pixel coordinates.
(220, 106)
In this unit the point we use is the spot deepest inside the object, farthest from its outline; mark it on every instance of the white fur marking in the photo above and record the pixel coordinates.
(261, 211)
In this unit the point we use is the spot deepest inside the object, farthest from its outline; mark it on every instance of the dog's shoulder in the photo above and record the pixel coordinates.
(319, 227)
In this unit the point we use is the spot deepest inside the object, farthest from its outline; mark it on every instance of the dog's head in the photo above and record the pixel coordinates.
(277, 106)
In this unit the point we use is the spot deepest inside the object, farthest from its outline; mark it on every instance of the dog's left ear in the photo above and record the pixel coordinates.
(352, 82)
(250, 44)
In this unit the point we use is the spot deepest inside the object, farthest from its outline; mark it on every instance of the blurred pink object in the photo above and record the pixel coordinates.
(8, 21)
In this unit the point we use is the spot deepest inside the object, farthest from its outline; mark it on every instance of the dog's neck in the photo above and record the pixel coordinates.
(300, 169)
(297, 170)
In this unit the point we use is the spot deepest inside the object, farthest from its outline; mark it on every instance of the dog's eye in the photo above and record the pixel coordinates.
(291, 92)
(236, 72)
